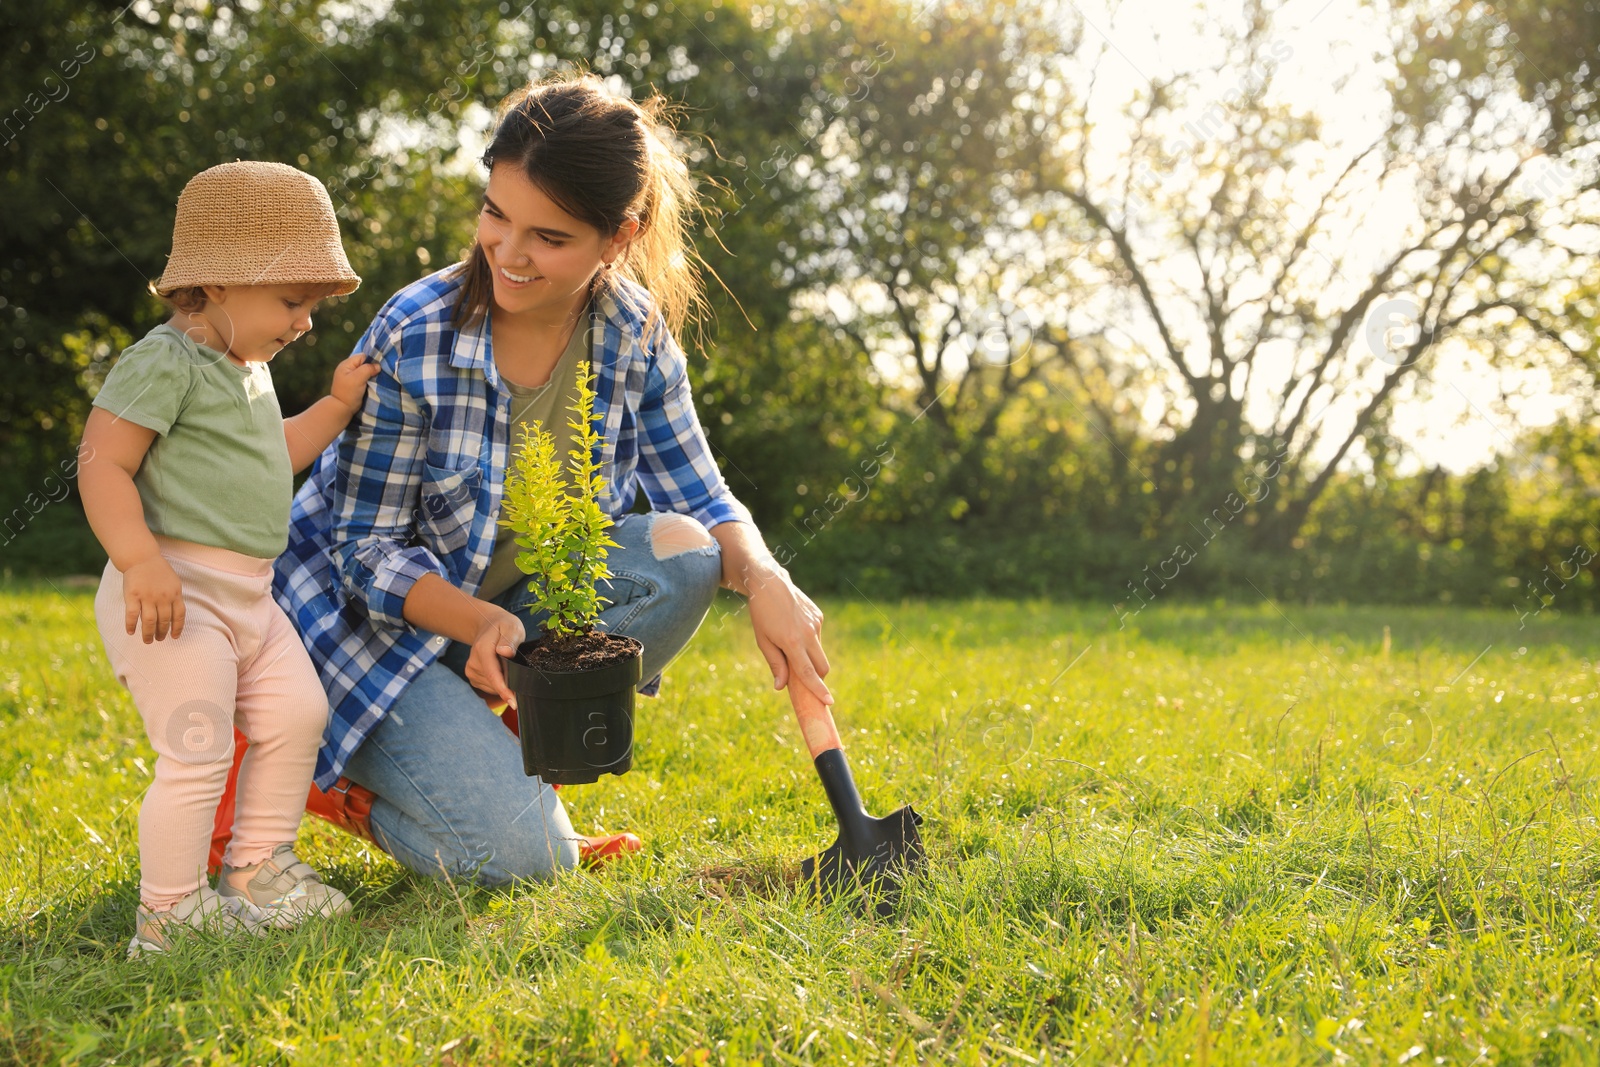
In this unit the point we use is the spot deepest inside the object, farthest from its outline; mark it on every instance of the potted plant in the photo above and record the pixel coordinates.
(574, 684)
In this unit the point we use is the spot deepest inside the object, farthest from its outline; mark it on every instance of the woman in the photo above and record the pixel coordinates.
(402, 584)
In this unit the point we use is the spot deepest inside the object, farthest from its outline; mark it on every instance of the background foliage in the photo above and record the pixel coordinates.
(939, 317)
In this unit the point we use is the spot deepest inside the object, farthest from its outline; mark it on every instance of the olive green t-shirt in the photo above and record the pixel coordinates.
(218, 471)
(547, 406)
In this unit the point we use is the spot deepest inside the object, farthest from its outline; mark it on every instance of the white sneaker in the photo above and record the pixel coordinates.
(204, 910)
(285, 890)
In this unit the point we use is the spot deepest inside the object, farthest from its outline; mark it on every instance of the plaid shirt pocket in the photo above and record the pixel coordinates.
(448, 504)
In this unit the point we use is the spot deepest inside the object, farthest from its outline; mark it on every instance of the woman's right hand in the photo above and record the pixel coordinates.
(152, 593)
(499, 635)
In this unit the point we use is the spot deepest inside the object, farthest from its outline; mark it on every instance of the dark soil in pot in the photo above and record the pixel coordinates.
(580, 652)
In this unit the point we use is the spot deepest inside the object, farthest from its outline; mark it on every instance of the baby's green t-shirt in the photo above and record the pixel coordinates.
(218, 472)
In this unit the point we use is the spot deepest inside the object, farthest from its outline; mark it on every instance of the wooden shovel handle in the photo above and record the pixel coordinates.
(816, 722)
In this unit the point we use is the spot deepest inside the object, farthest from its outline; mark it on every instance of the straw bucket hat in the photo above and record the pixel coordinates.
(251, 223)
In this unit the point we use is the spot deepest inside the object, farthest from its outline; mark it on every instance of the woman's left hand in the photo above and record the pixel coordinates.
(788, 630)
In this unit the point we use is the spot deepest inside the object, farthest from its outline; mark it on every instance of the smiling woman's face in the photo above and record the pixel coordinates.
(541, 258)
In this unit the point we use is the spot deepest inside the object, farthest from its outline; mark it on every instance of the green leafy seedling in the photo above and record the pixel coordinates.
(560, 526)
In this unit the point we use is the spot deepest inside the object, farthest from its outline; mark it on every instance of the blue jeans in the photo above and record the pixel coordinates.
(451, 797)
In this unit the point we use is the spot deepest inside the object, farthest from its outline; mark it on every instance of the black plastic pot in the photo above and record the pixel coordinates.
(576, 725)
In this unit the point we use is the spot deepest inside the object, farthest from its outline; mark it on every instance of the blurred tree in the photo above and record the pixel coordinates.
(927, 240)
(1230, 247)
(1463, 53)
(1460, 62)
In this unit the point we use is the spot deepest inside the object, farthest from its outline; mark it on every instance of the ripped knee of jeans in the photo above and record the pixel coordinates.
(672, 534)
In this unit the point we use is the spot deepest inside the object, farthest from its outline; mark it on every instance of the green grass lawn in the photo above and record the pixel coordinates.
(1229, 834)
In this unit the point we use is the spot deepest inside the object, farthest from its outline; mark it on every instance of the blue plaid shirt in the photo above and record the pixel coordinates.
(413, 486)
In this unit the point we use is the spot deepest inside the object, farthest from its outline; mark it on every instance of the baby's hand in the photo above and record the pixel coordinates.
(152, 592)
(350, 380)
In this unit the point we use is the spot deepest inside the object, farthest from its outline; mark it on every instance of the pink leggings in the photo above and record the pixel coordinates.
(240, 660)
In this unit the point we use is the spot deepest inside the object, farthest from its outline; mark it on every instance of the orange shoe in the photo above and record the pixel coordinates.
(595, 851)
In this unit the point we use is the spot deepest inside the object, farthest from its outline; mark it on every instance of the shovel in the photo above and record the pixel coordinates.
(871, 854)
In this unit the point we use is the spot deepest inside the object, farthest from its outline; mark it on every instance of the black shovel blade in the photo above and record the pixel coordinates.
(870, 855)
